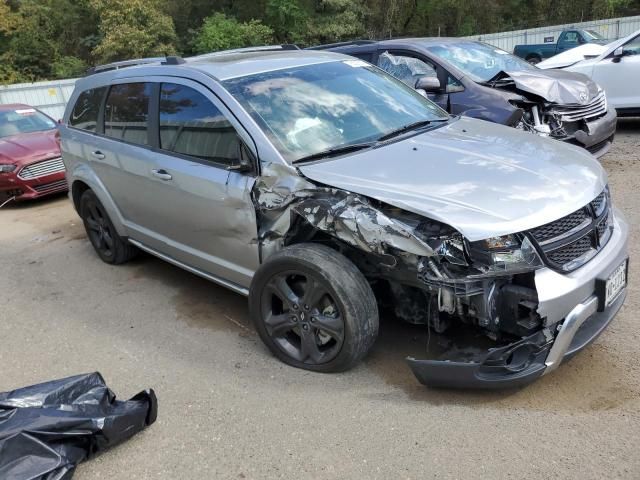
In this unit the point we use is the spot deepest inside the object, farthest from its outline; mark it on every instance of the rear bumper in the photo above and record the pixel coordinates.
(12, 186)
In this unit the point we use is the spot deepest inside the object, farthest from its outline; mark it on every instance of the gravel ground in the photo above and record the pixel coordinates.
(228, 409)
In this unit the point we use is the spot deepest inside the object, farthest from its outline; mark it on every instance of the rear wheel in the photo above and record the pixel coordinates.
(109, 246)
(534, 60)
(313, 308)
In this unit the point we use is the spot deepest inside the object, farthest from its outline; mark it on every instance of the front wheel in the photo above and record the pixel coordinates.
(313, 308)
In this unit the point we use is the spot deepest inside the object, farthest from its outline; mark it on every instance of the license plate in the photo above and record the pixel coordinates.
(615, 283)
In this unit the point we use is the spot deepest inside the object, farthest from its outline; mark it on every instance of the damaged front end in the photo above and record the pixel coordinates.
(570, 109)
(429, 274)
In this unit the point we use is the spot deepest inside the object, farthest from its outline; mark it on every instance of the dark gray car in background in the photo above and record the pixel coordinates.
(481, 81)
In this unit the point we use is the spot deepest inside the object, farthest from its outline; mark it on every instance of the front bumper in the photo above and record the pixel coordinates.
(570, 325)
(598, 136)
(12, 186)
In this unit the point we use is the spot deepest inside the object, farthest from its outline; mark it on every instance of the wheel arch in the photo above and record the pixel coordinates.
(83, 178)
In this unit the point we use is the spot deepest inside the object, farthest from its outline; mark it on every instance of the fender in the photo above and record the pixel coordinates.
(84, 173)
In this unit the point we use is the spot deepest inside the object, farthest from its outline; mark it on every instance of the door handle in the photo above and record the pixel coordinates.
(162, 174)
(98, 154)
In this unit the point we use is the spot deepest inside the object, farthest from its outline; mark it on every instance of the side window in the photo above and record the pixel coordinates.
(570, 37)
(632, 47)
(126, 112)
(191, 125)
(85, 112)
(406, 69)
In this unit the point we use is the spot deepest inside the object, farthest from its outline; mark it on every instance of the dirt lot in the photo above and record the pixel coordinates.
(228, 409)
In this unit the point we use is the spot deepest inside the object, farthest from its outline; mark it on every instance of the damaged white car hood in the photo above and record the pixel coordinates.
(483, 179)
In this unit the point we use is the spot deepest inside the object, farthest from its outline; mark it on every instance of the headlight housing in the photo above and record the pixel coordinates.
(7, 168)
(507, 254)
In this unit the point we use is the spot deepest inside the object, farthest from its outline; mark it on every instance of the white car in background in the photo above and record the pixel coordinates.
(573, 56)
(617, 70)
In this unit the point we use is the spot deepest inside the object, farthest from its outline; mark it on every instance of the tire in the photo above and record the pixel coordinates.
(313, 308)
(534, 60)
(109, 246)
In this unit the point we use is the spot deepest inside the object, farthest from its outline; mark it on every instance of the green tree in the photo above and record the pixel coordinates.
(219, 32)
(132, 29)
(288, 20)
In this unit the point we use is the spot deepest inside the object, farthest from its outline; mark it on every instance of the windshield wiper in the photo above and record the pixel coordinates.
(407, 128)
(332, 152)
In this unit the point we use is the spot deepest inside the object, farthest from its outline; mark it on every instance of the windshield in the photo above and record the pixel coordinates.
(23, 120)
(593, 35)
(479, 61)
(311, 109)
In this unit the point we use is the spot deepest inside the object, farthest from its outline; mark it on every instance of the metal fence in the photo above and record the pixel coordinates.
(611, 29)
(50, 97)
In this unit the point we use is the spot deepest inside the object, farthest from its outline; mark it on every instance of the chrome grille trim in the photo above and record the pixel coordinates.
(573, 113)
(42, 169)
(51, 187)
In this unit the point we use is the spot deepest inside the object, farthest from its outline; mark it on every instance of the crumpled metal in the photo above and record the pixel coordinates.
(555, 86)
(47, 429)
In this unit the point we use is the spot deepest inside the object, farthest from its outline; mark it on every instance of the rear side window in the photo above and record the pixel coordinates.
(85, 112)
(191, 125)
(126, 112)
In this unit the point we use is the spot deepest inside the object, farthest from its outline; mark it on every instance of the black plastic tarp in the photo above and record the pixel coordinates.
(47, 429)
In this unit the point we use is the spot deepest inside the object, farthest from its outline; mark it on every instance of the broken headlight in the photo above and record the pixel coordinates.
(508, 254)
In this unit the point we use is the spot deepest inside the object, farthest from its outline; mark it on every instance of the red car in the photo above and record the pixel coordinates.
(30, 160)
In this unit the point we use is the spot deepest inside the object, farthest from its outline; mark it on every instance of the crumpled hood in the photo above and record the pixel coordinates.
(556, 86)
(481, 178)
(28, 147)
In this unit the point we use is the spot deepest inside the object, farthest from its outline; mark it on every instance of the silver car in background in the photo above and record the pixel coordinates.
(321, 187)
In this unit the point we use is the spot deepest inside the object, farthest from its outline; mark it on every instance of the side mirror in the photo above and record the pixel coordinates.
(618, 53)
(245, 163)
(428, 84)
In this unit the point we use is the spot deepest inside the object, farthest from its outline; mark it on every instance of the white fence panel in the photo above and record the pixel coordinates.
(50, 97)
(612, 28)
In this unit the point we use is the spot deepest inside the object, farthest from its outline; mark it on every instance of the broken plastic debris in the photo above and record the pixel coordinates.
(47, 429)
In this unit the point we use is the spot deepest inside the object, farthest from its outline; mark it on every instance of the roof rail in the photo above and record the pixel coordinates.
(341, 44)
(264, 48)
(166, 60)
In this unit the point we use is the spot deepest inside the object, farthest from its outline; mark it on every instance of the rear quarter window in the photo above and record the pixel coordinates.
(85, 111)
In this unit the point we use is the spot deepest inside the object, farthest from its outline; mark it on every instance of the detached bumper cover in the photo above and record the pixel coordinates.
(531, 358)
(575, 316)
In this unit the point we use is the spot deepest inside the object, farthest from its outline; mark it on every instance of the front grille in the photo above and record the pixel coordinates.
(42, 169)
(51, 187)
(570, 252)
(560, 227)
(573, 113)
(573, 240)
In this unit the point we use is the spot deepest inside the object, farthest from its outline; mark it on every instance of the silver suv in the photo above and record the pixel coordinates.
(322, 188)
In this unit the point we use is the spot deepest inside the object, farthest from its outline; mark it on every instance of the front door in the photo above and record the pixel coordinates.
(620, 78)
